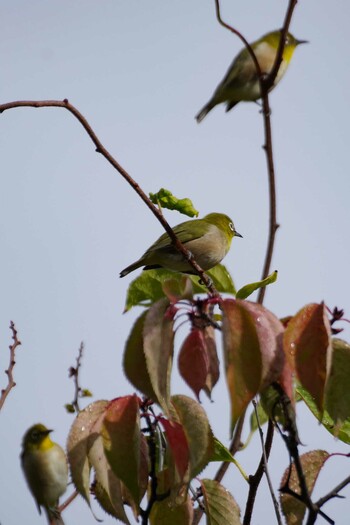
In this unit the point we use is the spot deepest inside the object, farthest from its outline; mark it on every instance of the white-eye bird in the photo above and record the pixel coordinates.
(45, 468)
(241, 82)
(208, 240)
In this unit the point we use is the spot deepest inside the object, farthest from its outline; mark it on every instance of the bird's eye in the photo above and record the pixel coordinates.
(287, 41)
(232, 228)
(35, 435)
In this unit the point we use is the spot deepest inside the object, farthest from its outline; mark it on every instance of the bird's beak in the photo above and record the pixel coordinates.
(238, 234)
(298, 42)
(48, 431)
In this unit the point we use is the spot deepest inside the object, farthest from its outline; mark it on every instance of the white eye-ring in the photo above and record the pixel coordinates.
(232, 228)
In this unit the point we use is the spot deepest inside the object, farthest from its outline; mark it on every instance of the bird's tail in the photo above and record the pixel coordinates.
(130, 268)
(204, 111)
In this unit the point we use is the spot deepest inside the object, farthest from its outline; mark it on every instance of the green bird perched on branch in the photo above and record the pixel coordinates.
(45, 468)
(241, 82)
(208, 240)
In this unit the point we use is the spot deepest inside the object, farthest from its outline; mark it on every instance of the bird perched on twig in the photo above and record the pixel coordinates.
(241, 82)
(208, 240)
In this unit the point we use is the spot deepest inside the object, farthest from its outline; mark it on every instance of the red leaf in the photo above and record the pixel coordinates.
(122, 443)
(158, 345)
(252, 340)
(214, 364)
(307, 344)
(178, 443)
(194, 361)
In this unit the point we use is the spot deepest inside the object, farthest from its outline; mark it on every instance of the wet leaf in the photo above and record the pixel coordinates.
(78, 446)
(312, 463)
(220, 506)
(166, 512)
(307, 344)
(122, 443)
(252, 341)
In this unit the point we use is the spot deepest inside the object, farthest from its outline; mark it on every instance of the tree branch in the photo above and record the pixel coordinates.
(65, 104)
(254, 480)
(11, 383)
(265, 85)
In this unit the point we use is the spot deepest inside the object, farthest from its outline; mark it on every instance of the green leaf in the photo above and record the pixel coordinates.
(86, 393)
(222, 279)
(248, 289)
(165, 199)
(337, 389)
(134, 360)
(108, 488)
(221, 453)
(220, 506)
(166, 512)
(197, 430)
(342, 432)
(147, 288)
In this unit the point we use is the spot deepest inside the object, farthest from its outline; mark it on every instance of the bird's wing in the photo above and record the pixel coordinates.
(183, 231)
(241, 71)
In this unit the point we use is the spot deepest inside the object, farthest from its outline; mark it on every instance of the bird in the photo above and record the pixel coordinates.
(241, 82)
(45, 468)
(207, 239)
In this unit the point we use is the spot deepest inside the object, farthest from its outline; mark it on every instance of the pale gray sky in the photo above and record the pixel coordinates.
(139, 72)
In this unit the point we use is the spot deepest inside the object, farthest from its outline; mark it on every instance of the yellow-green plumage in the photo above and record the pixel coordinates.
(208, 240)
(45, 468)
(241, 81)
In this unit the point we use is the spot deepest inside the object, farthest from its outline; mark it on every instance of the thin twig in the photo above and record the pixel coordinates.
(333, 493)
(256, 478)
(270, 79)
(68, 501)
(266, 85)
(65, 104)
(266, 82)
(9, 372)
(241, 37)
(267, 474)
(74, 372)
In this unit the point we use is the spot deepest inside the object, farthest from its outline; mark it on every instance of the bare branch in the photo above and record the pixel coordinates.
(74, 372)
(68, 501)
(254, 480)
(65, 104)
(11, 383)
(266, 85)
(267, 474)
